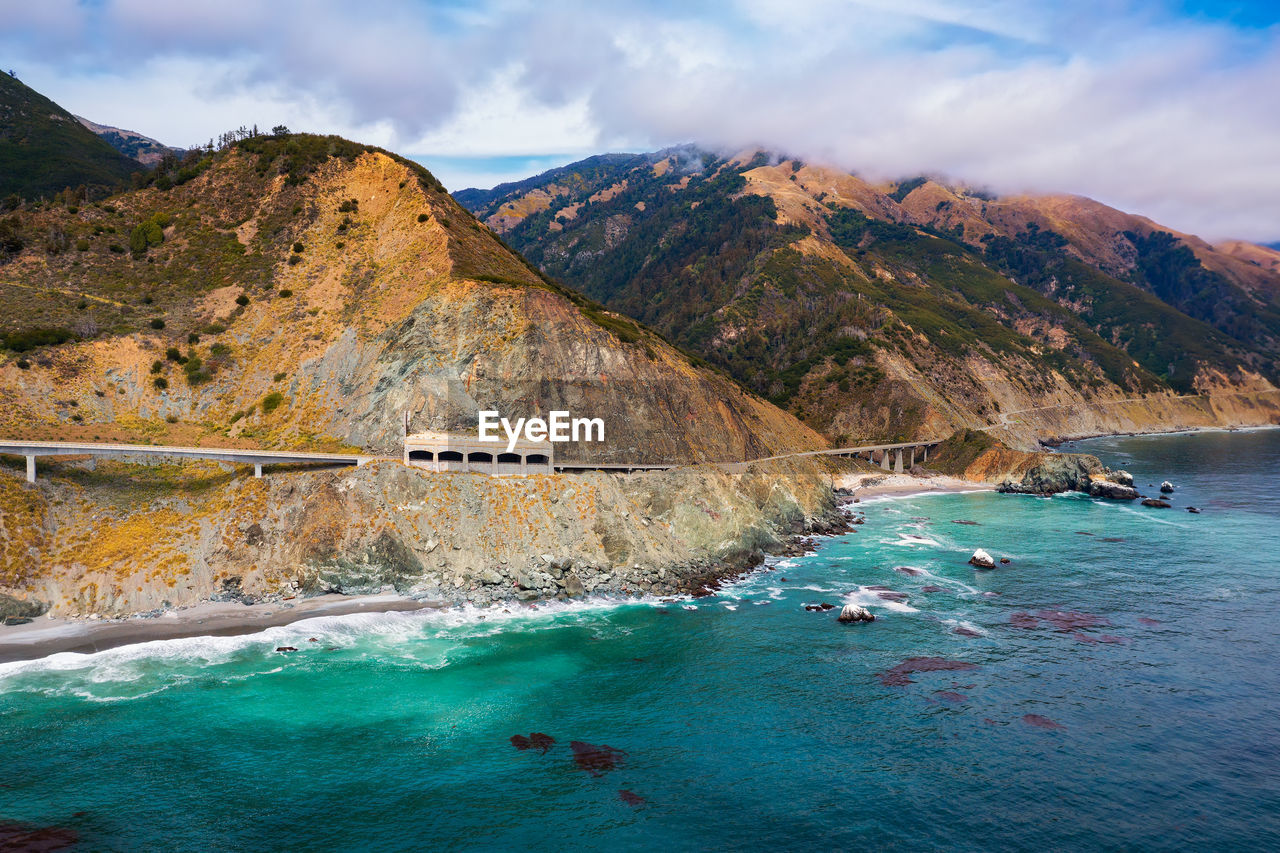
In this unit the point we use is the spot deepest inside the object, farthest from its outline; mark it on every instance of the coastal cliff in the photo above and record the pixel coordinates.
(115, 539)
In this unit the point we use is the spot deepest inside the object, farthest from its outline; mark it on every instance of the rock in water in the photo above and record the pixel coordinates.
(1114, 491)
(1123, 478)
(856, 613)
(982, 560)
(1166, 488)
(1155, 502)
(1193, 509)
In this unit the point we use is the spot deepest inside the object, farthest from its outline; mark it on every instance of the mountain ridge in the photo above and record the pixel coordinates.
(904, 310)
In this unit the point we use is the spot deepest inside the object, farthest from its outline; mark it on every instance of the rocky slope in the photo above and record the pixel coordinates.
(115, 539)
(301, 291)
(911, 309)
(311, 292)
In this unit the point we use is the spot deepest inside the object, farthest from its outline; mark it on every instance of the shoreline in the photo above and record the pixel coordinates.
(864, 485)
(1054, 443)
(44, 637)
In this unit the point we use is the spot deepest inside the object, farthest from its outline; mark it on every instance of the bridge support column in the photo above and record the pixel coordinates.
(897, 462)
(913, 457)
(31, 469)
(884, 459)
(257, 469)
(926, 453)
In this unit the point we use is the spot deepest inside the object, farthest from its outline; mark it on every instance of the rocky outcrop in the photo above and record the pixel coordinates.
(1121, 477)
(1102, 488)
(982, 560)
(14, 610)
(1054, 473)
(855, 613)
(161, 540)
(1156, 503)
(1166, 488)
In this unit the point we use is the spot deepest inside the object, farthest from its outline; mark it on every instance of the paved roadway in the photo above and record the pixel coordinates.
(33, 449)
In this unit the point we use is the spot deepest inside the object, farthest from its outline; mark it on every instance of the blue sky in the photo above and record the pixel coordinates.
(1163, 107)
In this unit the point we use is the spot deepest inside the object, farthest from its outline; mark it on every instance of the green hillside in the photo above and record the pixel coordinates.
(45, 149)
(863, 324)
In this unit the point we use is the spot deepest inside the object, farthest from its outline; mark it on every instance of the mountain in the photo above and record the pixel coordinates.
(914, 308)
(130, 143)
(309, 291)
(44, 149)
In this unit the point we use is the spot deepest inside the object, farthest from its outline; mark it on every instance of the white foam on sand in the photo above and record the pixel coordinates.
(175, 659)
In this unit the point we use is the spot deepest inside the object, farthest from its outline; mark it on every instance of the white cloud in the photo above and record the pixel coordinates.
(1117, 99)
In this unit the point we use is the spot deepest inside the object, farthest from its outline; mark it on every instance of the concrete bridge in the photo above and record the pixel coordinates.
(256, 458)
(891, 457)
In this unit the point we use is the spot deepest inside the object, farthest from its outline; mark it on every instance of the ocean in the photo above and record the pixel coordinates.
(1113, 687)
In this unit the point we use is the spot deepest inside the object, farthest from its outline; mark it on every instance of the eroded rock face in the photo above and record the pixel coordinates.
(1112, 490)
(385, 527)
(1056, 472)
(1123, 478)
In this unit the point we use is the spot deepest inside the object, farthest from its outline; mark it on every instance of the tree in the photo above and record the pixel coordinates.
(279, 130)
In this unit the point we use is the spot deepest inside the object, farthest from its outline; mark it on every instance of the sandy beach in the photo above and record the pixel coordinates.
(44, 636)
(865, 485)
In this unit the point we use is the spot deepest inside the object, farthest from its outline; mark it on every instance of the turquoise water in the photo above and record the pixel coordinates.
(1121, 695)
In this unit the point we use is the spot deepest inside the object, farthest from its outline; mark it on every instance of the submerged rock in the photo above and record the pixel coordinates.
(596, 760)
(856, 613)
(1156, 502)
(631, 798)
(1042, 722)
(45, 839)
(982, 560)
(896, 676)
(1193, 510)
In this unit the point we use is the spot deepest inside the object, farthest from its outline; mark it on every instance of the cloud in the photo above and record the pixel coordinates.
(1123, 100)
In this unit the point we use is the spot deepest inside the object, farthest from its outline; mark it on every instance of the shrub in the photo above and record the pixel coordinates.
(214, 329)
(340, 245)
(173, 354)
(82, 245)
(422, 217)
(32, 338)
(147, 300)
(157, 366)
(242, 300)
(286, 293)
(23, 364)
(160, 382)
(116, 248)
(298, 247)
(349, 206)
(82, 304)
(294, 260)
(157, 323)
(278, 377)
(193, 338)
(271, 402)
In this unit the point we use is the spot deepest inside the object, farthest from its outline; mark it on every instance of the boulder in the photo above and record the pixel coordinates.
(1156, 502)
(1193, 509)
(1056, 472)
(573, 585)
(856, 613)
(1166, 488)
(1112, 491)
(1123, 478)
(982, 560)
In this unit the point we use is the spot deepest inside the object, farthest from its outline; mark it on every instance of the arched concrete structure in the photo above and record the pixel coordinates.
(438, 451)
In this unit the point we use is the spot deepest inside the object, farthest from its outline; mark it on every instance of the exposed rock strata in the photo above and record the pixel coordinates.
(114, 549)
